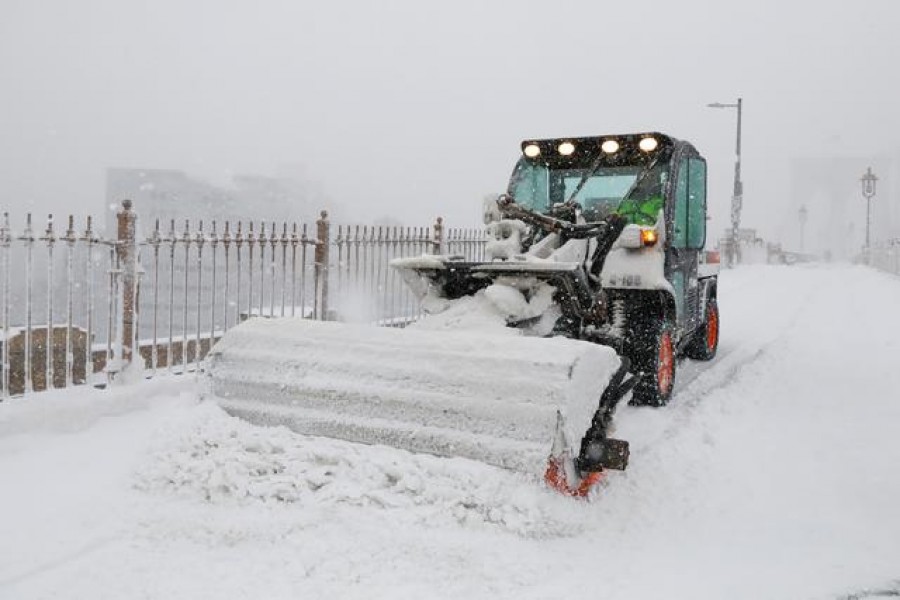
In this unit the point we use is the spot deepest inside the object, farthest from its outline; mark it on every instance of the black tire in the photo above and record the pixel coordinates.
(653, 358)
(706, 339)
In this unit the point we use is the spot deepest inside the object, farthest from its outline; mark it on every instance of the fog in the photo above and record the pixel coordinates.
(407, 109)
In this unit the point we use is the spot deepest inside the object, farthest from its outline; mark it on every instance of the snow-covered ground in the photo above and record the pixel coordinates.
(772, 474)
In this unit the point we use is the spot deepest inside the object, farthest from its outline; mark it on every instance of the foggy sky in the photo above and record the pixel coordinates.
(413, 109)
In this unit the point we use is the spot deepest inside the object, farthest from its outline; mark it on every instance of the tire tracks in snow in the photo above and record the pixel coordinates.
(673, 447)
(725, 371)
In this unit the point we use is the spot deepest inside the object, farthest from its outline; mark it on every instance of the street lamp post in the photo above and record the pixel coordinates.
(868, 181)
(803, 214)
(737, 198)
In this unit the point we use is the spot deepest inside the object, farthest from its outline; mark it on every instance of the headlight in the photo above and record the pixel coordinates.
(648, 144)
(566, 148)
(532, 151)
(648, 237)
(610, 146)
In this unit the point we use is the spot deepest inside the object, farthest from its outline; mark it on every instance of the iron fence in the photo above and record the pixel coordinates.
(50, 307)
(365, 288)
(78, 307)
(886, 256)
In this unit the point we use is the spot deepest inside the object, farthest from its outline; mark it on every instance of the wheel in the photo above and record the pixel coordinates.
(653, 357)
(706, 339)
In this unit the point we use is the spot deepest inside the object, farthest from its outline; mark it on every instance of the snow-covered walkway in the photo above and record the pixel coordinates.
(772, 474)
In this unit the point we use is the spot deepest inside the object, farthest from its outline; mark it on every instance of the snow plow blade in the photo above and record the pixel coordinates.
(504, 399)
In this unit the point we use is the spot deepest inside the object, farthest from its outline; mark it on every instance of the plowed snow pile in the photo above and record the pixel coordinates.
(221, 459)
(772, 474)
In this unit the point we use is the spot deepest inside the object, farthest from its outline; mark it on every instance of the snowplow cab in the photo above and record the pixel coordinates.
(623, 174)
(654, 275)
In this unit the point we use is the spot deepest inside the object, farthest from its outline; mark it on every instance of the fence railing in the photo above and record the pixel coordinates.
(41, 344)
(80, 308)
(886, 256)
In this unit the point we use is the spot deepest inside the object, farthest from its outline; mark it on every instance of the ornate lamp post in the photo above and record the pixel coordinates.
(737, 199)
(802, 215)
(868, 181)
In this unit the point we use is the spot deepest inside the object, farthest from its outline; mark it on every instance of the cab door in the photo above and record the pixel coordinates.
(688, 239)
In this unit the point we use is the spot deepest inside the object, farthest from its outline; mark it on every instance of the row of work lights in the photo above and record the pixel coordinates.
(647, 144)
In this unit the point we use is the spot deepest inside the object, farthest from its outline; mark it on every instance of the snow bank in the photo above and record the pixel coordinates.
(78, 408)
(223, 460)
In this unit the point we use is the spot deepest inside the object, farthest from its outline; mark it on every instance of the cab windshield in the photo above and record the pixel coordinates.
(538, 187)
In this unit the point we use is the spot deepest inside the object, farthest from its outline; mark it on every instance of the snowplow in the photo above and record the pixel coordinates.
(594, 283)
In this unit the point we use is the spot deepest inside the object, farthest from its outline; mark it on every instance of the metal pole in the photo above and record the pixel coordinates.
(155, 241)
(186, 240)
(868, 190)
(126, 250)
(199, 240)
(50, 239)
(213, 242)
(28, 238)
(70, 281)
(868, 222)
(89, 306)
(226, 244)
(321, 266)
(738, 194)
(737, 198)
(170, 351)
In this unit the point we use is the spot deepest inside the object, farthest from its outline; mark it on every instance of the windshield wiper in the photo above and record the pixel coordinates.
(587, 175)
(645, 172)
(642, 175)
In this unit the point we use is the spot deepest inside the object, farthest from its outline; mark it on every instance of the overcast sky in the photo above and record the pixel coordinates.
(412, 109)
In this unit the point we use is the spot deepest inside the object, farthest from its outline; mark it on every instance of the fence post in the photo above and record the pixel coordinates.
(323, 229)
(126, 251)
(437, 242)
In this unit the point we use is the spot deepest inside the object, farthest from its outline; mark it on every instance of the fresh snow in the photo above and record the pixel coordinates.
(772, 474)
